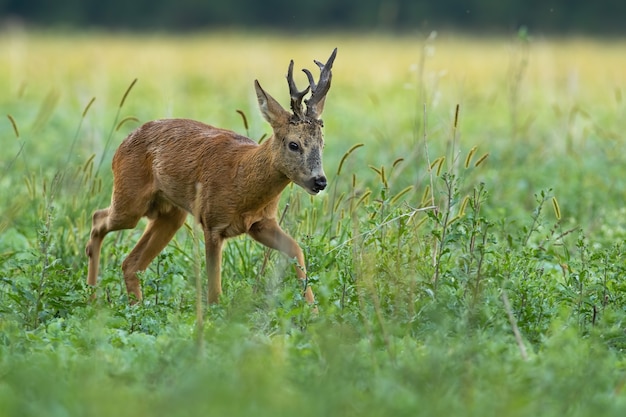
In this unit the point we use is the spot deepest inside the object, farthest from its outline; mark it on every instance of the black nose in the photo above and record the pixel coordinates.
(320, 183)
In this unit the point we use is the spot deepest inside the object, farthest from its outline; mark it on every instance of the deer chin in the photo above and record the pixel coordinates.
(309, 187)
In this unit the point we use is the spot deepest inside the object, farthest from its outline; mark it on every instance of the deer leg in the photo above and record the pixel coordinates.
(269, 233)
(98, 232)
(213, 245)
(103, 222)
(158, 233)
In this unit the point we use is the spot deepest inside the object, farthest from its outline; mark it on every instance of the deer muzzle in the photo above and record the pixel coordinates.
(316, 184)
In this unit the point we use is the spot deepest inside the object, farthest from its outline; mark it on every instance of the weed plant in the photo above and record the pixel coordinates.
(467, 256)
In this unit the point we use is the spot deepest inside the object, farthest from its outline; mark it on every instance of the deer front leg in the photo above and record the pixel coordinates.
(213, 246)
(269, 233)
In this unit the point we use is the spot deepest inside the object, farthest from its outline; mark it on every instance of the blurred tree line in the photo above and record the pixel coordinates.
(551, 16)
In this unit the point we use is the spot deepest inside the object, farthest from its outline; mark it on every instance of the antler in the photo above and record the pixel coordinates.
(314, 104)
(296, 96)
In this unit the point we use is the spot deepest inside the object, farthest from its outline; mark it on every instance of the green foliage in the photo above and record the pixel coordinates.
(449, 281)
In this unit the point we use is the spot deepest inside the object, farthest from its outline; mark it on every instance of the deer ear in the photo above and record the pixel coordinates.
(272, 111)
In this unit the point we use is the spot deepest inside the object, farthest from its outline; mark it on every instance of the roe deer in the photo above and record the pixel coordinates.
(168, 168)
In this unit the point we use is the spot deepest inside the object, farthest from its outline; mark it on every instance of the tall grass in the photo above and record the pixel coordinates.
(467, 256)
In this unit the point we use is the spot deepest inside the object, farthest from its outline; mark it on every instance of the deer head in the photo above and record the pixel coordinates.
(298, 140)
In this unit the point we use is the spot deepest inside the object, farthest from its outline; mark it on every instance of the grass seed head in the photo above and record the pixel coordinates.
(15, 129)
(124, 120)
(464, 205)
(400, 194)
(130, 87)
(470, 154)
(352, 149)
(481, 159)
(557, 209)
(437, 165)
(426, 197)
(88, 106)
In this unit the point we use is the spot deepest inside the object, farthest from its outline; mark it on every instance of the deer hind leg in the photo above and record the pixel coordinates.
(159, 231)
(127, 208)
(103, 222)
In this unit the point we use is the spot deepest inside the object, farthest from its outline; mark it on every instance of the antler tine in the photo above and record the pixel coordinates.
(296, 96)
(315, 103)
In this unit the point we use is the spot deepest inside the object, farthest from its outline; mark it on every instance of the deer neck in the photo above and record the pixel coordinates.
(259, 171)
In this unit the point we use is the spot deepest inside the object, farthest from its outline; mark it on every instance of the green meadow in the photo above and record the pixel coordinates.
(467, 256)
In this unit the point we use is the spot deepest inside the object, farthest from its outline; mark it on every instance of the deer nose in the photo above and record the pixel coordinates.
(319, 183)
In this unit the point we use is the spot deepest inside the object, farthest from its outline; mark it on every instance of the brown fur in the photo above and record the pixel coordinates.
(168, 168)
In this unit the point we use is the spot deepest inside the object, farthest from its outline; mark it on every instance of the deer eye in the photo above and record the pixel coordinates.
(294, 146)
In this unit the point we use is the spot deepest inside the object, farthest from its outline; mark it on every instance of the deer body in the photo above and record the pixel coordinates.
(226, 179)
(168, 168)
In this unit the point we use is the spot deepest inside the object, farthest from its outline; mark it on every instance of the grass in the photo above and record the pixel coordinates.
(467, 256)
